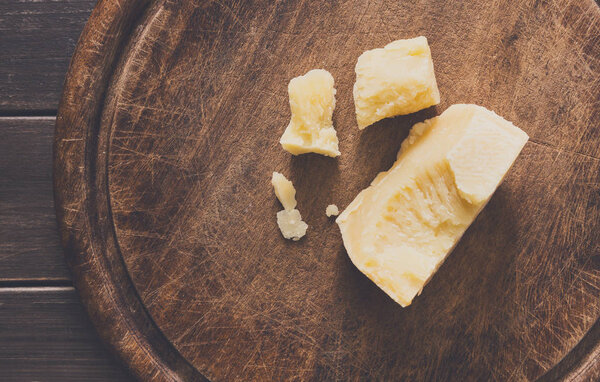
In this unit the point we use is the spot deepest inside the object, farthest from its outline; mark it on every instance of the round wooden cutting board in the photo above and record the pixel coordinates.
(166, 139)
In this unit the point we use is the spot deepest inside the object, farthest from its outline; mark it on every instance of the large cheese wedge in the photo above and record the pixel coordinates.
(312, 100)
(399, 230)
(395, 80)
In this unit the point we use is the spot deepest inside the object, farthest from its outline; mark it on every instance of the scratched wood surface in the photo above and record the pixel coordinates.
(168, 132)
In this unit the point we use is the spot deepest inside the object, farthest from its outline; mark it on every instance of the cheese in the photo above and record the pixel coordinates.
(289, 219)
(312, 100)
(284, 190)
(291, 225)
(399, 230)
(332, 210)
(395, 80)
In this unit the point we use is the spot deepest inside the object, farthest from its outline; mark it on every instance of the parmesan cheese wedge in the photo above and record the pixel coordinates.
(395, 80)
(312, 100)
(399, 230)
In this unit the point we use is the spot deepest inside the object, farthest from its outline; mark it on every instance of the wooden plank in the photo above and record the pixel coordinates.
(46, 336)
(29, 243)
(37, 39)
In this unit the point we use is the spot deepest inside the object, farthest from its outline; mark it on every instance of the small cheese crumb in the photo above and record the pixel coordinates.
(332, 210)
(395, 80)
(291, 225)
(289, 220)
(312, 100)
(284, 190)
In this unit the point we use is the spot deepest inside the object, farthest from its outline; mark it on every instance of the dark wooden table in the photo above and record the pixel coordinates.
(45, 334)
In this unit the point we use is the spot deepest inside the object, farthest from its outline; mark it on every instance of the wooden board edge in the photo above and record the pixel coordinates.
(99, 275)
(582, 363)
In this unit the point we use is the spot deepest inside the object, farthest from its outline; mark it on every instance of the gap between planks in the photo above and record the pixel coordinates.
(33, 284)
(17, 113)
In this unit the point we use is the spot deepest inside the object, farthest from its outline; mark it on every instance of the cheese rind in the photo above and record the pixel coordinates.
(395, 80)
(284, 190)
(312, 100)
(332, 210)
(399, 230)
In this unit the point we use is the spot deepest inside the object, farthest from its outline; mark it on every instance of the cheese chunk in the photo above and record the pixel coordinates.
(291, 225)
(312, 100)
(399, 230)
(289, 219)
(395, 80)
(284, 190)
(332, 210)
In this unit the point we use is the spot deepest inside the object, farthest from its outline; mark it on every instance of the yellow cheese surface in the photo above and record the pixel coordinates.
(399, 230)
(289, 219)
(312, 100)
(395, 80)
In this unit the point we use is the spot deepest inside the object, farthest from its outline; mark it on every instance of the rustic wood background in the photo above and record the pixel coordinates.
(159, 192)
(45, 334)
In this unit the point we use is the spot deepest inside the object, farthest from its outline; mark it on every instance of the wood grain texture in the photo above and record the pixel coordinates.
(166, 138)
(46, 336)
(29, 241)
(37, 39)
